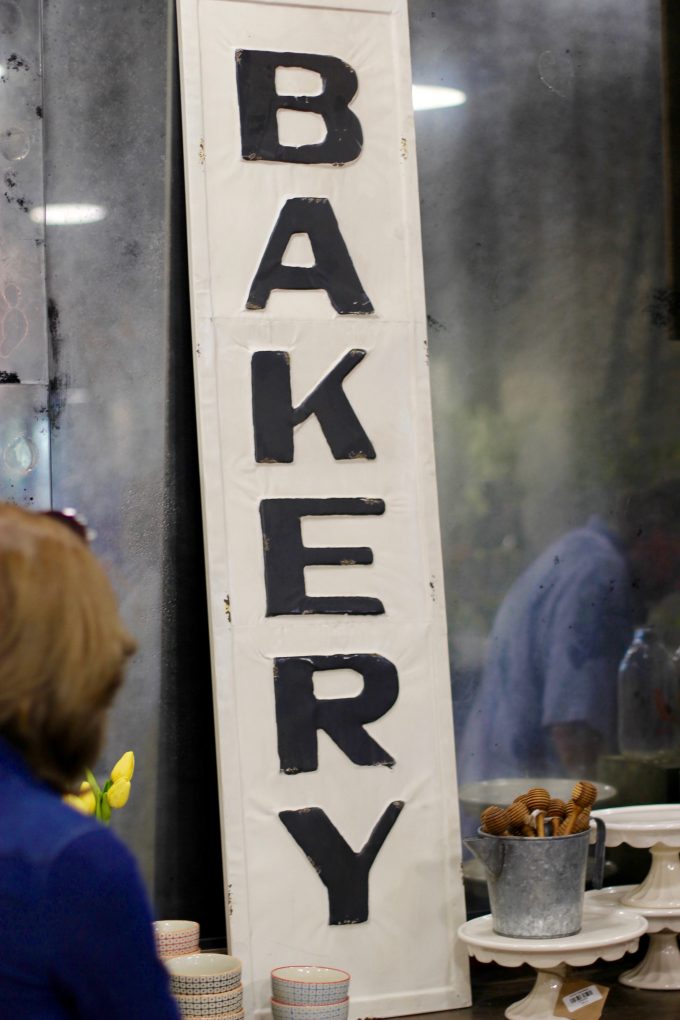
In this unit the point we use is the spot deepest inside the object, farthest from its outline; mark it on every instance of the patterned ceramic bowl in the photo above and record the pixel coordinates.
(315, 1011)
(240, 1015)
(175, 938)
(211, 1004)
(203, 973)
(309, 984)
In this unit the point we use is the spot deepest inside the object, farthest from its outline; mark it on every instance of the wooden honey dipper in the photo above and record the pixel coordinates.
(494, 820)
(556, 808)
(519, 817)
(583, 796)
(538, 799)
(584, 793)
(582, 821)
(556, 813)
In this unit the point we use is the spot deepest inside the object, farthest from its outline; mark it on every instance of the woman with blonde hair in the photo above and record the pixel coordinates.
(76, 938)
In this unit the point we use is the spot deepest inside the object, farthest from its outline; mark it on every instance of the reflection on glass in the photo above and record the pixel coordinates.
(554, 377)
(24, 443)
(547, 701)
(13, 322)
(20, 455)
(14, 142)
(648, 698)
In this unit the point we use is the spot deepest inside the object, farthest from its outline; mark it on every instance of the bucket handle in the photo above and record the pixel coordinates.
(597, 879)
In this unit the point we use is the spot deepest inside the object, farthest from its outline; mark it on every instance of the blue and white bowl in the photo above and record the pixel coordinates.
(310, 1011)
(203, 974)
(211, 1004)
(310, 985)
(176, 938)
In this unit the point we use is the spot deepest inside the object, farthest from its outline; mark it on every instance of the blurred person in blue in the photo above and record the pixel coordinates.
(546, 704)
(76, 936)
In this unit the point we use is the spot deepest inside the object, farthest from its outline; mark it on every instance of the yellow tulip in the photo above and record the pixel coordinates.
(117, 795)
(124, 767)
(87, 798)
(83, 802)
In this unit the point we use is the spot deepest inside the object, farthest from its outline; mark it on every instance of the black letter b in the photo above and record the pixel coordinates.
(259, 101)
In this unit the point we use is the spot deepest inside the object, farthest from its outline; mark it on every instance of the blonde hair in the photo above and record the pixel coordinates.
(63, 645)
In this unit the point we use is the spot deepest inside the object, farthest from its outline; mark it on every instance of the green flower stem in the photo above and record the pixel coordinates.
(93, 783)
(99, 806)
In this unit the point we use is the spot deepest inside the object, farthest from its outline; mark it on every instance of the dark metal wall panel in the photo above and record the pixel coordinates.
(24, 372)
(123, 420)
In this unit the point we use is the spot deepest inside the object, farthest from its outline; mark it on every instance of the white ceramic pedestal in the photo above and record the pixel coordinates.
(660, 969)
(655, 827)
(606, 934)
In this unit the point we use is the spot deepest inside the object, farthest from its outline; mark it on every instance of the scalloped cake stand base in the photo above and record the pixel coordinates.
(655, 827)
(606, 934)
(660, 968)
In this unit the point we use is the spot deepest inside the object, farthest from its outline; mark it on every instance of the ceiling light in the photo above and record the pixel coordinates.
(436, 97)
(67, 214)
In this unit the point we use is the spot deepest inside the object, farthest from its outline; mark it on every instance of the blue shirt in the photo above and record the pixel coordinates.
(553, 657)
(76, 937)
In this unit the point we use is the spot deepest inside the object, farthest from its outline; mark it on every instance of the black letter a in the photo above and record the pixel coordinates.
(332, 271)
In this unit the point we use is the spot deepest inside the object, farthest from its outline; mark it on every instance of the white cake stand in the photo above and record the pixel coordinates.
(606, 934)
(660, 969)
(655, 827)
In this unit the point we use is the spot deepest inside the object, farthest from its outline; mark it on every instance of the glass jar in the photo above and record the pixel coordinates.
(648, 698)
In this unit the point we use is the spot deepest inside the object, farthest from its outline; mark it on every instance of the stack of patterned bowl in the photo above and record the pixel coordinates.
(176, 938)
(207, 985)
(310, 993)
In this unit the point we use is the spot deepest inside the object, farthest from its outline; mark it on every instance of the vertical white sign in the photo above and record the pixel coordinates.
(333, 709)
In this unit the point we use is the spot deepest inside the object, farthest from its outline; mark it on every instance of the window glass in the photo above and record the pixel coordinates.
(555, 376)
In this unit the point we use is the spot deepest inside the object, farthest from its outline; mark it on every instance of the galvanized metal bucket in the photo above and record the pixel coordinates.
(536, 884)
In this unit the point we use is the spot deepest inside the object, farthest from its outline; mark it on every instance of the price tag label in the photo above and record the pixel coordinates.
(579, 999)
